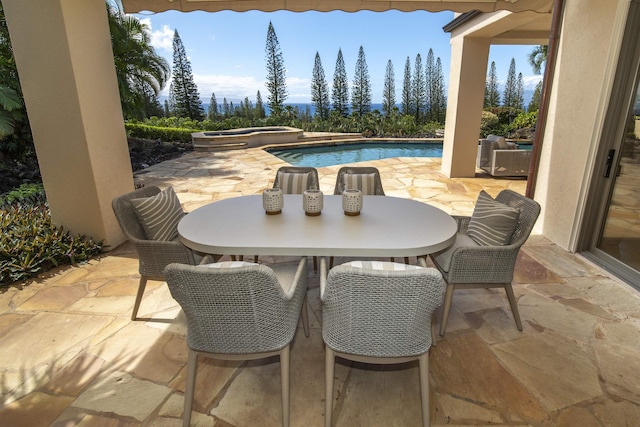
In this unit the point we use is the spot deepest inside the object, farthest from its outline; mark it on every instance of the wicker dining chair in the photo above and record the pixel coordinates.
(363, 178)
(153, 255)
(296, 179)
(240, 311)
(467, 264)
(379, 312)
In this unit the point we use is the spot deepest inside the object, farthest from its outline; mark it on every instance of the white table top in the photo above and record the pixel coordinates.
(387, 227)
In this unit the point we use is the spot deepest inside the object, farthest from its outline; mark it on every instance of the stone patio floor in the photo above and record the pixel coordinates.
(71, 356)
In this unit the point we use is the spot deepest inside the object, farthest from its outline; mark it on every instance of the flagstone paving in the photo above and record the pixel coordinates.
(70, 355)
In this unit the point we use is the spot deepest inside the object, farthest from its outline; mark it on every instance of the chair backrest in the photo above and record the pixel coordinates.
(364, 178)
(296, 179)
(380, 313)
(233, 310)
(126, 215)
(529, 211)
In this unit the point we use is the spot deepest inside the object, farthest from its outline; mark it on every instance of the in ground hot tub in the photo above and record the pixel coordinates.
(244, 137)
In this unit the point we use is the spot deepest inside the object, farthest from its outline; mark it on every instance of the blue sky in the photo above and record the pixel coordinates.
(227, 49)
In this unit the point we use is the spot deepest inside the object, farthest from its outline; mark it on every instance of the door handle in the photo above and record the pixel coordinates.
(610, 157)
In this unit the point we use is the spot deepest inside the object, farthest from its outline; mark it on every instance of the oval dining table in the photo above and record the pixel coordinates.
(386, 227)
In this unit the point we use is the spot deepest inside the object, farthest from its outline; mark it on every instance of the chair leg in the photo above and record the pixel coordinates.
(136, 305)
(514, 305)
(284, 380)
(434, 335)
(192, 363)
(329, 360)
(448, 298)
(424, 389)
(305, 316)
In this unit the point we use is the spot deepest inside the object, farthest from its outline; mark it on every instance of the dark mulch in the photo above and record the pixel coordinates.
(143, 153)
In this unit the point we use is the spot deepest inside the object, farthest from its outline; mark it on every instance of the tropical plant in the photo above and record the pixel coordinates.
(340, 91)
(276, 73)
(141, 73)
(361, 88)
(31, 244)
(538, 57)
(319, 90)
(15, 133)
(183, 89)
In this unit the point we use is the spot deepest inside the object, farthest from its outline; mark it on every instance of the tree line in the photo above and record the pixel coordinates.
(346, 107)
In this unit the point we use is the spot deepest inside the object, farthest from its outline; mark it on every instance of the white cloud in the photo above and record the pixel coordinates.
(160, 39)
(230, 87)
(530, 82)
(237, 88)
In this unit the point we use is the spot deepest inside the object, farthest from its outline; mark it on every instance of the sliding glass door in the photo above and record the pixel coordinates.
(620, 237)
(610, 235)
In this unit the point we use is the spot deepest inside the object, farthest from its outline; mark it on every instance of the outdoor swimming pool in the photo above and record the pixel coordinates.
(338, 154)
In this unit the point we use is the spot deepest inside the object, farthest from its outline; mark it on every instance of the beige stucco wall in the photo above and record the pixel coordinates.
(65, 62)
(465, 97)
(581, 85)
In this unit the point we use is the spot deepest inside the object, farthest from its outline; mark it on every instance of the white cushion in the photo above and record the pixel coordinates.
(159, 214)
(492, 223)
(293, 183)
(365, 182)
(229, 264)
(382, 265)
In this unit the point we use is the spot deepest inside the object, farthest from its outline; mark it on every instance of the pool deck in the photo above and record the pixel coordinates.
(71, 357)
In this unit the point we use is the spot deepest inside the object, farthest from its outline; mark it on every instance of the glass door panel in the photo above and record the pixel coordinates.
(620, 237)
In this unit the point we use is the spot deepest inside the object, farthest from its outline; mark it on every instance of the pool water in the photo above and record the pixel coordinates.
(329, 155)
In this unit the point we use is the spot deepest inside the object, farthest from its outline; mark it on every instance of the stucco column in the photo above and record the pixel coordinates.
(469, 57)
(65, 62)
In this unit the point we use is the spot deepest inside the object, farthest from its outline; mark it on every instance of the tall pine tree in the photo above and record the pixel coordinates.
(212, 113)
(389, 91)
(340, 92)
(319, 90)
(534, 104)
(439, 101)
(260, 112)
(276, 73)
(418, 90)
(431, 81)
(406, 89)
(361, 89)
(510, 95)
(185, 92)
(491, 93)
(519, 104)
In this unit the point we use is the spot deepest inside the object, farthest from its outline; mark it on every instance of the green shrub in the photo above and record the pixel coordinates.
(525, 120)
(30, 244)
(26, 193)
(143, 131)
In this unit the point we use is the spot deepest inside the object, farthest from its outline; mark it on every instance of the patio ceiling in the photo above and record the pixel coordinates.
(134, 6)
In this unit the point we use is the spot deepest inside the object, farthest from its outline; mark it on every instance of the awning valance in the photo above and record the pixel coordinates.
(135, 6)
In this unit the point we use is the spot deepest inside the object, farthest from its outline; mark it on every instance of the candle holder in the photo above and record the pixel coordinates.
(272, 201)
(352, 202)
(312, 202)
